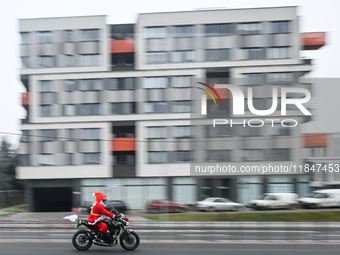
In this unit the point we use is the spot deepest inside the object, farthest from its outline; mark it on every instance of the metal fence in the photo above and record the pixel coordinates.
(10, 197)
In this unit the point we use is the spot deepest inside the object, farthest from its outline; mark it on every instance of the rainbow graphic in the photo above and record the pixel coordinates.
(209, 93)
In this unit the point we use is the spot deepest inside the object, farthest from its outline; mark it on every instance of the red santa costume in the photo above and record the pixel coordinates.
(98, 211)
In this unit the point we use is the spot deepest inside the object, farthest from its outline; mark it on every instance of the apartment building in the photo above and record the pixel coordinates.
(112, 108)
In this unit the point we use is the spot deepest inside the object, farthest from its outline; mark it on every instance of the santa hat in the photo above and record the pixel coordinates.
(99, 196)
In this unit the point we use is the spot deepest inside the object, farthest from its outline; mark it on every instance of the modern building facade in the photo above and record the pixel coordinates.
(110, 107)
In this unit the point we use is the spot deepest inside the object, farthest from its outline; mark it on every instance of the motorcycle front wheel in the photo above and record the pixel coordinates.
(80, 241)
(129, 242)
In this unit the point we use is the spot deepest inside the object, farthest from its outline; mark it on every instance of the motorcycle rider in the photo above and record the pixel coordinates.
(96, 214)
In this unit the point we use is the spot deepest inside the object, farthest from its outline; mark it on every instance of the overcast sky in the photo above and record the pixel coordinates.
(315, 15)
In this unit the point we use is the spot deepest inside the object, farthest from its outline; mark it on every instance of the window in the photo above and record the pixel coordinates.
(248, 131)
(278, 129)
(89, 109)
(25, 62)
(155, 107)
(25, 39)
(46, 86)
(156, 132)
(46, 159)
(70, 85)
(48, 135)
(123, 108)
(157, 157)
(70, 134)
(317, 152)
(182, 131)
(253, 155)
(181, 106)
(249, 28)
(91, 158)
(258, 104)
(46, 110)
(218, 155)
(89, 35)
(155, 32)
(252, 53)
(68, 36)
(278, 52)
(181, 156)
(251, 79)
(183, 56)
(181, 82)
(69, 110)
(156, 57)
(89, 60)
(90, 85)
(121, 84)
(69, 158)
(90, 134)
(25, 137)
(280, 27)
(45, 61)
(279, 155)
(217, 55)
(218, 29)
(123, 158)
(24, 160)
(45, 37)
(280, 78)
(183, 31)
(219, 131)
(155, 82)
(69, 60)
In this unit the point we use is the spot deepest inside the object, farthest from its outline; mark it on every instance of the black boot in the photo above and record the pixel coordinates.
(100, 236)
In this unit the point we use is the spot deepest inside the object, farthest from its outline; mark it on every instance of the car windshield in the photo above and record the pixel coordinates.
(269, 197)
(320, 195)
(209, 199)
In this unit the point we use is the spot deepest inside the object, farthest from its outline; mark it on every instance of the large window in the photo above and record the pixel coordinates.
(45, 37)
(156, 132)
(183, 31)
(89, 35)
(25, 137)
(181, 106)
(68, 36)
(181, 81)
(25, 38)
(69, 60)
(46, 86)
(182, 131)
(219, 131)
(279, 155)
(25, 62)
(69, 158)
(157, 157)
(155, 107)
(24, 159)
(89, 109)
(91, 158)
(180, 156)
(155, 82)
(46, 110)
(252, 53)
(70, 85)
(46, 159)
(90, 84)
(218, 29)
(278, 52)
(258, 104)
(280, 27)
(279, 130)
(121, 84)
(124, 158)
(248, 131)
(253, 79)
(123, 108)
(48, 135)
(280, 78)
(69, 110)
(155, 32)
(183, 56)
(217, 54)
(249, 28)
(45, 61)
(70, 134)
(253, 155)
(218, 155)
(89, 60)
(156, 57)
(90, 134)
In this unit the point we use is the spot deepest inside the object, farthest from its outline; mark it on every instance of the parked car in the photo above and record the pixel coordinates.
(321, 199)
(212, 204)
(164, 205)
(275, 201)
(120, 205)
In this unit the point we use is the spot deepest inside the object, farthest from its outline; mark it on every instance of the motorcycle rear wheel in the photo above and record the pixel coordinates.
(79, 242)
(129, 243)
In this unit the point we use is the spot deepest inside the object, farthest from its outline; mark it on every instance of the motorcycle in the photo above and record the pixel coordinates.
(116, 230)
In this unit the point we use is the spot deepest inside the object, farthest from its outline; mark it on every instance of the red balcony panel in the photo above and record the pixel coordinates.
(315, 140)
(313, 40)
(122, 46)
(123, 144)
(25, 98)
(222, 92)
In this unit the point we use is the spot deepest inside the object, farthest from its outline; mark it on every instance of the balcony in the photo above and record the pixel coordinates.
(123, 144)
(25, 98)
(314, 40)
(315, 140)
(122, 46)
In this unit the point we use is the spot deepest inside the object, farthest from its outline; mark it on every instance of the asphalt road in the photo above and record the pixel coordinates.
(172, 248)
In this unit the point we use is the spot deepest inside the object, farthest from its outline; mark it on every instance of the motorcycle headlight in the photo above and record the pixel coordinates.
(126, 223)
